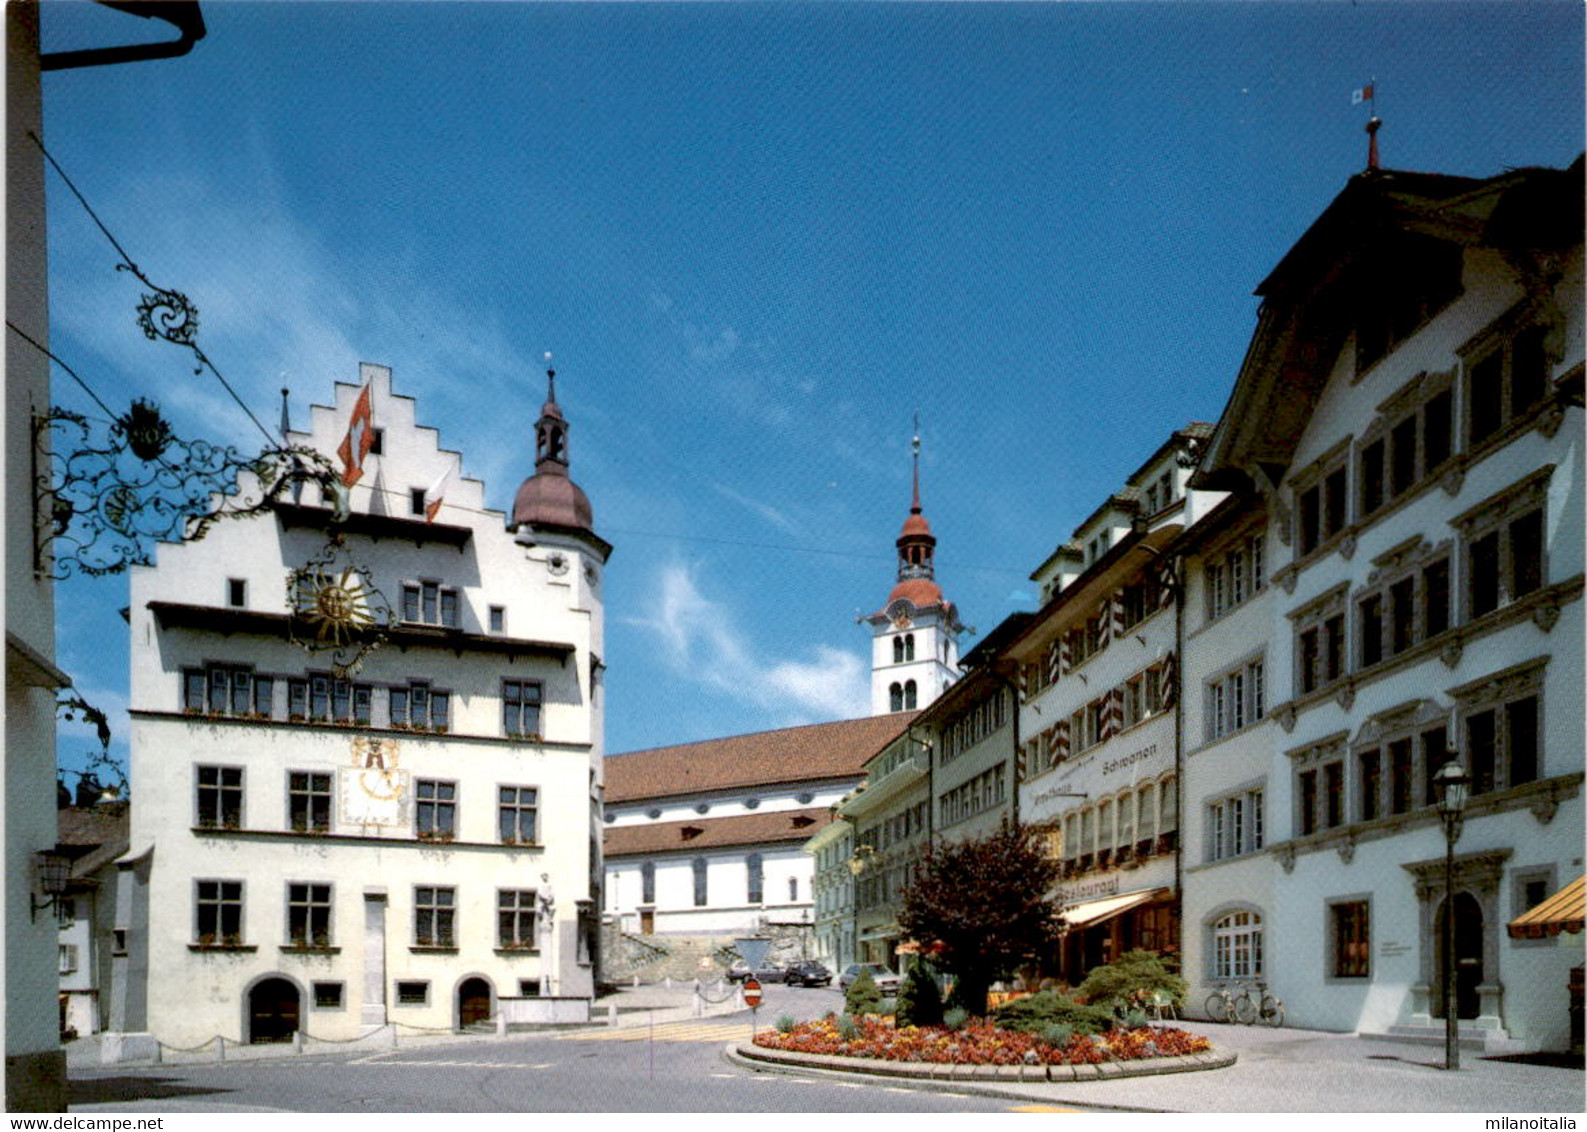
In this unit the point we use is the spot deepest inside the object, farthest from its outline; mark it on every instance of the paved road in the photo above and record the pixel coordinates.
(677, 1067)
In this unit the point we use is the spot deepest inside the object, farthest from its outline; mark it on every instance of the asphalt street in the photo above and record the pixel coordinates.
(676, 1067)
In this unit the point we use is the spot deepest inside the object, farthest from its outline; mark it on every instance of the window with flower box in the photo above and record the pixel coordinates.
(519, 806)
(334, 700)
(227, 689)
(434, 909)
(217, 919)
(219, 800)
(308, 802)
(309, 915)
(520, 708)
(435, 810)
(515, 919)
(418, 707)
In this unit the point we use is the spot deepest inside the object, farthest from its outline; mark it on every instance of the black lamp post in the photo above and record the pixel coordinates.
(1452, 785)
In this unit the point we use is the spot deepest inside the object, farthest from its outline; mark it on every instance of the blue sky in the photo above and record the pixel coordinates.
(758, 238)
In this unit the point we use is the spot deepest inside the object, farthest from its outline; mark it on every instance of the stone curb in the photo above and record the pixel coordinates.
(1002, 1074)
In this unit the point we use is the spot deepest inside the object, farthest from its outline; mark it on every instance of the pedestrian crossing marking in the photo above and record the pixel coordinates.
(666, 1032)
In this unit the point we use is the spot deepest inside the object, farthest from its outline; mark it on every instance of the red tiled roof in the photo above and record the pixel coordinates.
(792, 754)
(715, 833)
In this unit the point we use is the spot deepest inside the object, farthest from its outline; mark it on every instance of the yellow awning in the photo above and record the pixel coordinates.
(1562, 912)
(1091, 912)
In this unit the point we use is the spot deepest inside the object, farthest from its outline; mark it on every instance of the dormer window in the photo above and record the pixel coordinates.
(416, 501)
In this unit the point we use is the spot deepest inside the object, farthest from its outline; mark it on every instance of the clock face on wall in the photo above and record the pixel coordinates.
(901, 612)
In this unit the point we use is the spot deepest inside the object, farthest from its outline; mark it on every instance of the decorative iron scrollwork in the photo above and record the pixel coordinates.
(169, 315)
(111, 495)
(336, 608)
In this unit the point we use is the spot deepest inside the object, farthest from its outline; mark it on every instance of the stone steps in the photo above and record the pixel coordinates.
(1481, 1039)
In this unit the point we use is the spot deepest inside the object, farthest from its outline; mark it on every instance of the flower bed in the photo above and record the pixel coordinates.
(979, 1042)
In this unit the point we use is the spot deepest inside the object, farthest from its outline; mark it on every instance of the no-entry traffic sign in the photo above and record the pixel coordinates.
(751, 992)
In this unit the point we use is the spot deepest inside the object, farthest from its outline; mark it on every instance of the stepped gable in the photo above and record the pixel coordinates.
(717, 833)
(792, 754)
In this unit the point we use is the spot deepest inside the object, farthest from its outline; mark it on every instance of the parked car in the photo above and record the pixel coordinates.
(886, 981)
(766, 973)
(808, 973)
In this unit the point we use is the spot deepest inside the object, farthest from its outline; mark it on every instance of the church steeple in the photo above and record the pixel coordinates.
(915, 647)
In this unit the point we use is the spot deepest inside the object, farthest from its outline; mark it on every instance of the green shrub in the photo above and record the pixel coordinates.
(956, 1018)
(888, 1006)
(848, 1028)
(1130, 979)
(919, 1000)
(1058, 1033)
(786, 1023)
(1033, 1014)
(1135, 1019)
(863, 997)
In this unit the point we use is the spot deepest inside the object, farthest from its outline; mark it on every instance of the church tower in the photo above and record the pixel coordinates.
(915, 635)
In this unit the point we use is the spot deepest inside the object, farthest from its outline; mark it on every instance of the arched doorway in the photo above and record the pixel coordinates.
(473, 1002)
(274, 1008)
(1467, 957)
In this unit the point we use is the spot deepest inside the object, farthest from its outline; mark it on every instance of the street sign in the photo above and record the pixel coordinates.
(751, 992)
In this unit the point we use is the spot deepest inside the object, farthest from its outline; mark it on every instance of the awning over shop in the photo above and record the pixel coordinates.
(888, 932)
(1091, 912)
(1562, 912)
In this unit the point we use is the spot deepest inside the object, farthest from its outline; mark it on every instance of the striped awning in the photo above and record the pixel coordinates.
(1562, 912)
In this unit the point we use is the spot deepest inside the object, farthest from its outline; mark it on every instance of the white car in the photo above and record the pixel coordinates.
(886, 981)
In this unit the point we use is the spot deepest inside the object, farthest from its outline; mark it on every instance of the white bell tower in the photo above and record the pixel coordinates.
(915, 635)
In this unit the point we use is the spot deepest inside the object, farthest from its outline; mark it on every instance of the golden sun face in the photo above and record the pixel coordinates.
(336, 606)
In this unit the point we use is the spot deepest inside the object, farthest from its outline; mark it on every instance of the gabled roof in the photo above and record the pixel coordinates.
(715, 833)
(93, 836)
(1306, 314)
(764, 758)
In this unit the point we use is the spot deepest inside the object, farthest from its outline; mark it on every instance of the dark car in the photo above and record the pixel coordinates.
(767, 972)
(808, 973)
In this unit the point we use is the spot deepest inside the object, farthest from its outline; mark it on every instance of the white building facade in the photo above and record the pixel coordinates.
(328, 841)
(1099, 716)
(1411, 409)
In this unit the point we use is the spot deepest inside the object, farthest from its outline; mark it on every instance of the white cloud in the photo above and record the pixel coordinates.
(701, 643)
(765, 510)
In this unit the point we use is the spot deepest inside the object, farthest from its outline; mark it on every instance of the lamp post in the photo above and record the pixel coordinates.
(1452, 784)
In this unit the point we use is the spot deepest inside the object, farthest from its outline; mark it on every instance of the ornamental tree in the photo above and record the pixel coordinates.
(980, 908)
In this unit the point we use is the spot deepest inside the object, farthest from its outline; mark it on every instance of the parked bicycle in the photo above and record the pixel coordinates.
(1253, 1003)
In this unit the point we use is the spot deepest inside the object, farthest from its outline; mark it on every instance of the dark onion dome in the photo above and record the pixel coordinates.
(549, 498)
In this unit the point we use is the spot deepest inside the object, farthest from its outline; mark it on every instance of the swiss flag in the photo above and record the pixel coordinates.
(359, 440)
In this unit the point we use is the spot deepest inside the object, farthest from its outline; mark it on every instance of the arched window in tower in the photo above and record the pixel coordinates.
(898, 650)
(909, 646)
(909, 695)
(895, 698)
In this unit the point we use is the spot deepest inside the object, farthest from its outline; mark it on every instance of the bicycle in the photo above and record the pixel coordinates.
(1225, 1006)
(1262, 1005)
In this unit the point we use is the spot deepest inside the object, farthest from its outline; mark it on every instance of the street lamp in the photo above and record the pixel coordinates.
(1451, 785)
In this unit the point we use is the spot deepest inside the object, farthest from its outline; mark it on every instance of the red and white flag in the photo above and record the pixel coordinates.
(437, 493)
(359, 440)
(1360, 95)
